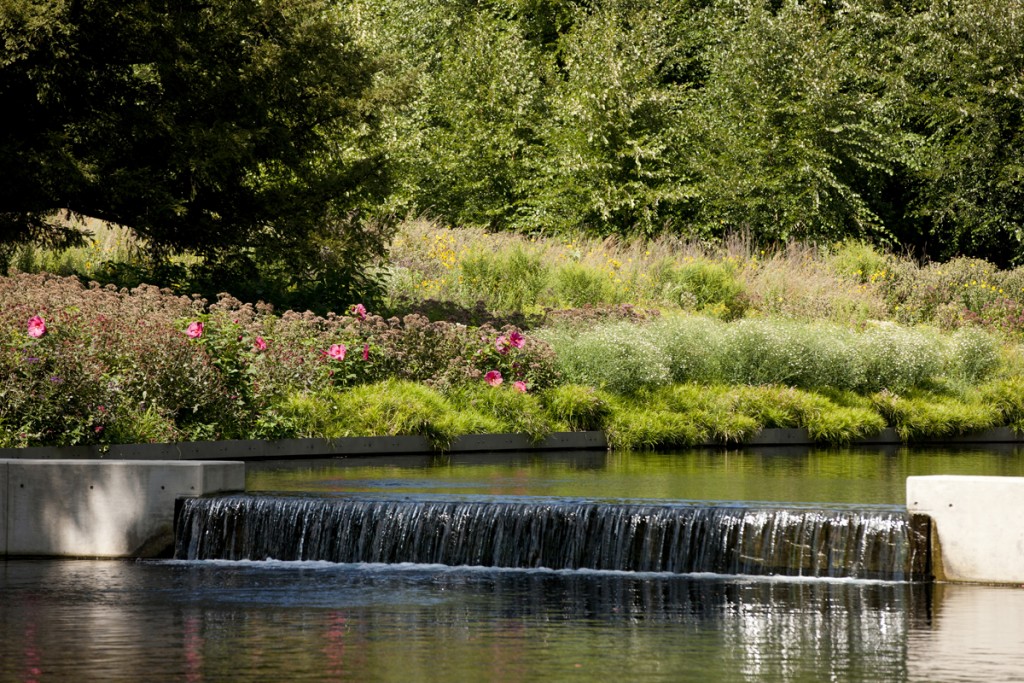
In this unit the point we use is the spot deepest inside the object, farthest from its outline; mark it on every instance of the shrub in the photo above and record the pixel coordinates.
(972, 355)
(898, 358)
(694, 346)
(781, 352)
(617, 357)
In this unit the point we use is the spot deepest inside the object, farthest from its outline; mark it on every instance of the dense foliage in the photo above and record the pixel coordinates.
(249, 131)
(237, 130)
(97, 365)
(895, 121)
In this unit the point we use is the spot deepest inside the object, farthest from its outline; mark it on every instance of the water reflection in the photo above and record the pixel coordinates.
(206, 621)
(855, 476)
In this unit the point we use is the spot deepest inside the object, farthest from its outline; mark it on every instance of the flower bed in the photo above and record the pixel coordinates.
(98, 365)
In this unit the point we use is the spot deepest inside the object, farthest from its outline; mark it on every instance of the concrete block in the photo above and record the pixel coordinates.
(978, 533)
(109, 508)
(3, 508)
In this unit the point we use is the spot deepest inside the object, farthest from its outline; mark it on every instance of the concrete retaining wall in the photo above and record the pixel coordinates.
(978, 526)
(301, 449)
(80, 508)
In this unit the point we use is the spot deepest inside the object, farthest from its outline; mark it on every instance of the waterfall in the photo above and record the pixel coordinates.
(637, 537)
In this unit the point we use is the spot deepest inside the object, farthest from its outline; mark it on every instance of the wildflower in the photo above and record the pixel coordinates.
(493, 377)
(366, 352)
(337, 351)
(359, 311)
(516, 340)
(36, 327)
(260, 344)
(519, 386)
(195, 330)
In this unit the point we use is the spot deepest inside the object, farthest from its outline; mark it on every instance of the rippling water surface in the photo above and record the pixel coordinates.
(268, 620)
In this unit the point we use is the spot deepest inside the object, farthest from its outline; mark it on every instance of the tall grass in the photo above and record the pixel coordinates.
(850, 283)
(625, 357)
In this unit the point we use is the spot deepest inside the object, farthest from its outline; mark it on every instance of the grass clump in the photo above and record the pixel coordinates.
(926, 415)
(1006, 395)
(706, 286)
(507, 410)
(504, 281)
(578, 407)
(633, 427)
(387, 408)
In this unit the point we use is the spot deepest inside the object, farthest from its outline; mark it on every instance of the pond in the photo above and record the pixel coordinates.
(311, 620)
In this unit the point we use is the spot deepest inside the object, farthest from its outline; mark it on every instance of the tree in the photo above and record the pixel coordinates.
(212, 126)
(963, 73)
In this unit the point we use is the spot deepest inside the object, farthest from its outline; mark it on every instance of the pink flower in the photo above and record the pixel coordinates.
(195, 330)
(36, 327)
(516, 340)
(260, 344)
(366, 352)
(359, 311)
(493, 377)
(501, 343)
(519, 386)
(337, 351)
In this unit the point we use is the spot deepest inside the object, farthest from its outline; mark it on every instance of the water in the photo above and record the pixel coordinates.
(556, 534)
(310, 620)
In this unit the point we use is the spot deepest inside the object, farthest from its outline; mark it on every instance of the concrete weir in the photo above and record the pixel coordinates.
(977, 526)
(100, 508)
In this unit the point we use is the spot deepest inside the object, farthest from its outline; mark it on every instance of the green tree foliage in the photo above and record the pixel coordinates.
(892, 120)
(963, 77)
(236, 129)
(797, 134)
(616, 154)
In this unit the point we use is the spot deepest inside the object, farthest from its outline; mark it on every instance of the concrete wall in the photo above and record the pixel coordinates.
(978, 526)
(356, 446)
(97, 508)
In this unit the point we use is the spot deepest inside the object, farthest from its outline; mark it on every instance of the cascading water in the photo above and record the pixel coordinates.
(677, 538)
